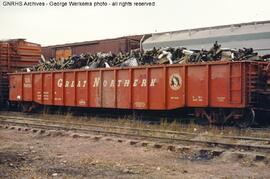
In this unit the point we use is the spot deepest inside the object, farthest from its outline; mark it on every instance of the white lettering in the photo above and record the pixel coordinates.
(135, 83)
(153, 82)
(25, 85)
(126, 83)
(60, 83)
(67, 84)
(84, 83)
(112, 83)
(119, 82)
(105, 82)
(72, 84)
(144, 82)
(96, 82)
(79, 84)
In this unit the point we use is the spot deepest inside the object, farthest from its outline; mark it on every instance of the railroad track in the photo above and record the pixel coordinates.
(168, 132)
(164, 136)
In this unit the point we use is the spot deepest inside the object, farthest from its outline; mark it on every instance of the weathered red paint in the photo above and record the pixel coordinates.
(220, 84)
(14, 55)
(116, 45)
(17, 53)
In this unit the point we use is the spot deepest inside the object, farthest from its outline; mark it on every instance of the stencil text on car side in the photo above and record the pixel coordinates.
(108, 83)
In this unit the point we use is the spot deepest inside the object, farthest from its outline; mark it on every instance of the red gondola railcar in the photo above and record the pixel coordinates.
(219, 91)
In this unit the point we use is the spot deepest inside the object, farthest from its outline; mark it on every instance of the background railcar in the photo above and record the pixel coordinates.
(116, 45)
(15, 54)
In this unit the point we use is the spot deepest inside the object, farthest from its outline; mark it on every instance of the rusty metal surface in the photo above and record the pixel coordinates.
(122, 44)
(17, 54)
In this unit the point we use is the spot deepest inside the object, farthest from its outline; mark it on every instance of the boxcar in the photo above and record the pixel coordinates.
(117, 45)
(218, 91)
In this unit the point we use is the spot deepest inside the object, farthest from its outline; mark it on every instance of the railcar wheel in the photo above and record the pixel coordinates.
(247, 119)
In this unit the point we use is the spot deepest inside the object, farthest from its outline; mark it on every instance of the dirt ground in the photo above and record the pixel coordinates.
(28, 155)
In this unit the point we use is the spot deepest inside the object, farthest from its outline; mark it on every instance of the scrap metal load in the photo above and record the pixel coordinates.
(152, 57)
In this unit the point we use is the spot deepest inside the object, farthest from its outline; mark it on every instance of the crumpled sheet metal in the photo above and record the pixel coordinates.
(153, 57)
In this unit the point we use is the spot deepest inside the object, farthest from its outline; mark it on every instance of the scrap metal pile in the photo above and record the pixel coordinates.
(152, 57)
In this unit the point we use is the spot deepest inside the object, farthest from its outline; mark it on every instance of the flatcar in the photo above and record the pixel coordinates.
(219, 91)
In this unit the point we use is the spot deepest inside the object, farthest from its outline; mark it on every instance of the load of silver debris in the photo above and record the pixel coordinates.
(152, 57)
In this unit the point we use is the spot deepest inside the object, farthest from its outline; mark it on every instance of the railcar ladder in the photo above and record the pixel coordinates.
(252, 83)
(4, 69)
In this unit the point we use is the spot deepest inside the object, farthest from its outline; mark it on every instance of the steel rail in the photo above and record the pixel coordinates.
(143, 137)
(134, 129)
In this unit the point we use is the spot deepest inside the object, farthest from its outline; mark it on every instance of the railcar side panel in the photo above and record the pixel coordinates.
(235, 84)
(107, 89)
(37, 87)
(95, 89)
(27, 87)
(69, 89)
(155, 87)
(122, 86)
(197, 86)
(218, 91)
(58, 88)
(15, 92)
(175, 88)
(46, 88)
(81, 88)
(140, 88)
